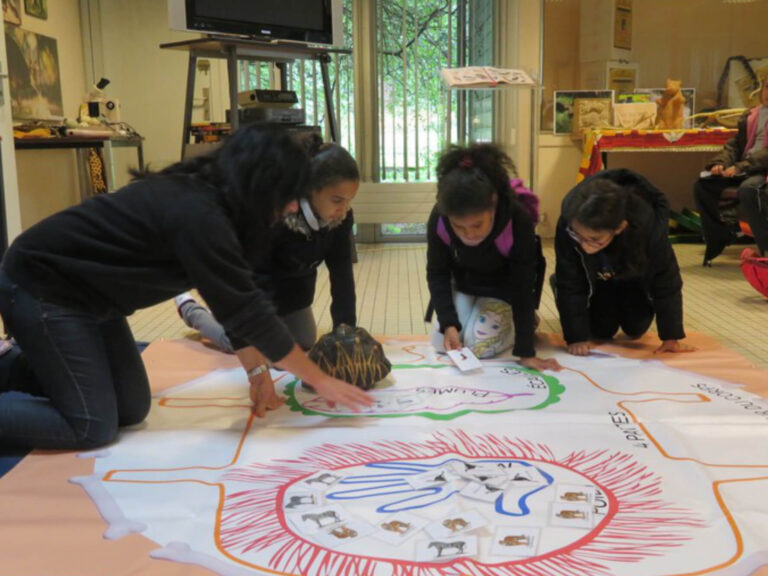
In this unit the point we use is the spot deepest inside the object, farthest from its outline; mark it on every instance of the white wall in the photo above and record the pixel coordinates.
(47, 179)
(149, 82)
(688, 39)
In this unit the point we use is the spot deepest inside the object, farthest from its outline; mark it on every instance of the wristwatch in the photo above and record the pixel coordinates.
(260, 369)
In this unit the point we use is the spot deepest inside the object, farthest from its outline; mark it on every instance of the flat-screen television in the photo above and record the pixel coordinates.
(310, 21)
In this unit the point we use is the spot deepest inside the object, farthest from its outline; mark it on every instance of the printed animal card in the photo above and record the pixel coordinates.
(459, 522)
(515, 541)
(320, 482)
(483, 492)
(313, 521)
(399, 527)
(484, 472)
(297, 501)
(521, 475)
(575, 493)
(446, 548)
(343, 533)
(571, 514)
(436, 477)
(464, 359)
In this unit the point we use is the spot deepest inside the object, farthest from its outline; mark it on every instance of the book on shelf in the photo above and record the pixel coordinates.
(485, 77)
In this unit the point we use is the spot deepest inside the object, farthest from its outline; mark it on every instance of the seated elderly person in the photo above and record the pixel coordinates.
(741, 164)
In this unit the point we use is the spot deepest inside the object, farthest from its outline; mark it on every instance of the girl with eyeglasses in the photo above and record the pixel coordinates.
(615, 266)
(484, 261)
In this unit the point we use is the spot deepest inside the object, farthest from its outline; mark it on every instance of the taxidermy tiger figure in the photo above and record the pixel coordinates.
(669, 115)
(352, 355)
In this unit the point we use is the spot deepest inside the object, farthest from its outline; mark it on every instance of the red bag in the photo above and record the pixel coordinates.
(755, 270)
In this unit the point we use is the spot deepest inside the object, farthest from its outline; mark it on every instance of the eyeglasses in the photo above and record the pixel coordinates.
(589, 241)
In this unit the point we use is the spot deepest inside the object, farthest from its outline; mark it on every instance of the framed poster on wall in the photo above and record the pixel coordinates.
(622, 25)
(33, 72)
(12, 12)
(37, 8)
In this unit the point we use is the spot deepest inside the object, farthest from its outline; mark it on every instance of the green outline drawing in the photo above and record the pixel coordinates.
(553, 385)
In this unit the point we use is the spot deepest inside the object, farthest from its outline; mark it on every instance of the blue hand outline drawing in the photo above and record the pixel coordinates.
(394, 483)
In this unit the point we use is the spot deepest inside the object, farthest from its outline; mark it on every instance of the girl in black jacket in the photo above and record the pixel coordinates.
(483, 258)
(615, 266)
(321, 231)
(67, 284)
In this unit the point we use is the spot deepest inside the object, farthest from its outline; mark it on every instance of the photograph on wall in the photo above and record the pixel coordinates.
(37, 8)
(565, 106)
(653, 94)
(12, 11)
(33, 74)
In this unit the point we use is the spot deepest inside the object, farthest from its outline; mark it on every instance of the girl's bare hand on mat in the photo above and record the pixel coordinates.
(536, 363)
(451, 339)
(578, 348)
(674, 346)
(335, 390)
(263, 394)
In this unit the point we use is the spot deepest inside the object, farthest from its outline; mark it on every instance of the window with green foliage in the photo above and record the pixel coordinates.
(418, 117)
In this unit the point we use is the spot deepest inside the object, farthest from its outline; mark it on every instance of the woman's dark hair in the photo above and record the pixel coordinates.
(469, 177)
(256, 173)
(330, 163)
(597, 204)
(602, 205)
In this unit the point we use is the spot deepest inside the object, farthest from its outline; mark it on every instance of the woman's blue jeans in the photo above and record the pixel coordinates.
(81, 374)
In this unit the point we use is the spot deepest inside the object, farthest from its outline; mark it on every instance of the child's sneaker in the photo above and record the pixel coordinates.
(181, 300)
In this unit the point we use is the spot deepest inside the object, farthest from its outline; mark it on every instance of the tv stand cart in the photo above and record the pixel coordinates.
(235, 49)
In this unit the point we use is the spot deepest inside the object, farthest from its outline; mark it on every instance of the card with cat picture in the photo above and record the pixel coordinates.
(575, 493)
(444, 549)
(515, 541)
(571, 514)
(343, 533)
(399, 527)
(459, 522)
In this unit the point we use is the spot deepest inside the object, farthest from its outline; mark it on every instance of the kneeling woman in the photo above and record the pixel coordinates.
(483, 258)
(615, 266)
(321, 231)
